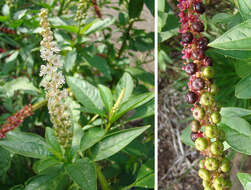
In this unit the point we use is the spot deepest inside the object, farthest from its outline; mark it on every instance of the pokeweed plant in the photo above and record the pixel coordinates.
(225, 66)
(71, 102)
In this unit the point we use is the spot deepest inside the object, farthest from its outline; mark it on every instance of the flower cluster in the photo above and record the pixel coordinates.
(53, 80)
(81, 11)
(208, 138)
(6, 30)
(15, 120)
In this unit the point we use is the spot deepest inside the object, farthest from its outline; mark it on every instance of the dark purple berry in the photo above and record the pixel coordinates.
(202, 43)
(198, 27)
(191, 97)
(199, 8)
(208, 61)
(198, 84)
(194, 136)
(198, 54)
(190, 68)
(187, 37)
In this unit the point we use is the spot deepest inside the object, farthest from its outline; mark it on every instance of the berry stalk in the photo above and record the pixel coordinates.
(208, 138)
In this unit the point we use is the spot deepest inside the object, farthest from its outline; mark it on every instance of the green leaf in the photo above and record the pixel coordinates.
(236, 139)
(245, 180)
(145, 177)
(106, 96)
(141, 74)
(143, 111)
(5, 161)
(41, 165)
(26, 144)
(18, 187)
(186, 136)
(83, 173)
(70, 60)
(72, 29)
(87, 94)
(21, 84)
(97, 25)
(150, 5)
(91, 137)
(238, 124)
(51, 179)
(235, 112)
(135, 8)
(243, 88)
(52, 141)
(93, 111)
(115, 142)
(132, 103)
(243, 68)
(125, 82)
(163, 36)
(245, 8)
(237, 38)
(101, 64)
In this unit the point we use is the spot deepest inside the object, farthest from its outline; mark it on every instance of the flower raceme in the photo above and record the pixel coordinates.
(208, 138)
(53, 80)
(15, 120)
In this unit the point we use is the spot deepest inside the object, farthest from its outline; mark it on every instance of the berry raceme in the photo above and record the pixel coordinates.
(208, 138)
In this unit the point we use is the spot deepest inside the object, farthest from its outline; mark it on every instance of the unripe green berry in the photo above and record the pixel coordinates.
(211, 164)
(195, 126)
(211, 131)
(215, 117)
(225, 165)
(198, 113)
(217, 148)
(219, 183)
(202, 164)
(205, 183)
(213, 89)
(201, 144)
(208, 72)
(204, 174)
(206, 99)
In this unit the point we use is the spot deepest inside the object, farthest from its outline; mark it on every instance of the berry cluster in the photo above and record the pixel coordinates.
(6, 30)
(208, 138)
(15, 120)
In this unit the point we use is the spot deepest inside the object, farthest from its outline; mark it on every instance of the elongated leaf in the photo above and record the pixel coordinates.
(237, 38)
(21, 84)
(93, 111)
(115, 142)
(245, 8)
(51, 179)
(135, 8)
(238, 124)
(91, 137)
(106, 96)
(243, 88)
(145, 177)
(126, 82)
(26, 144)
(245, 180)
(237, 140)
(97, 25)
(243, 68)
(70, 60)
(87, 94)
(52, 141)
(83, 173)
(235, 112)
(101, 64)
(132, 103)
(41, 165)
(5, 161)
(237, 54)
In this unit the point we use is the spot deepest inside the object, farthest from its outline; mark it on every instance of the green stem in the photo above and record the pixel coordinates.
(107, 128)
(101, 178)
(61, 8)
(39, 105)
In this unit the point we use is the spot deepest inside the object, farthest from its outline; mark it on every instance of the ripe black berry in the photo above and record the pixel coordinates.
(198, 54)
(187, 37)
(198, 27)
(190, 68)
(202, 43)
(194, 136)
(199, 8)
(208, 61)
(198, 84)
(191, 97)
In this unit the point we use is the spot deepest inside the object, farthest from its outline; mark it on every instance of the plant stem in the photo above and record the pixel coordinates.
(126, 37)
(39, 105)
(61, 8)
(101, 178)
